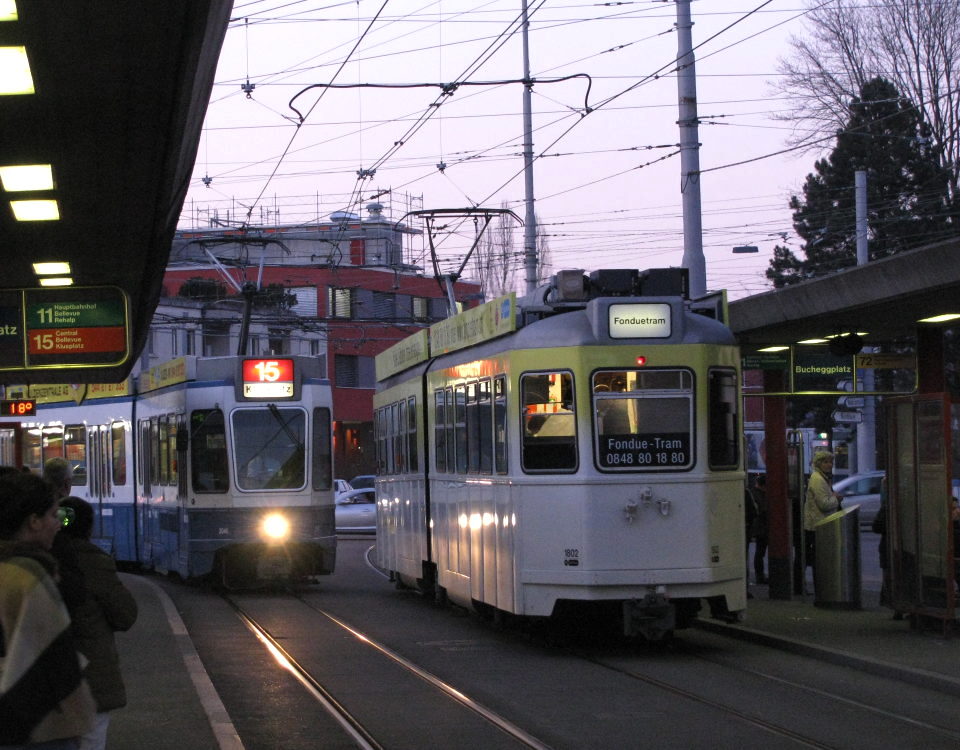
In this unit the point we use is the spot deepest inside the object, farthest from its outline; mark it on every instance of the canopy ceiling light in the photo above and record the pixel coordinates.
(15, 75)
(52, 268)
(56, 281)
(940, 318)
(41, 210)
(8, 10)
(22, 177)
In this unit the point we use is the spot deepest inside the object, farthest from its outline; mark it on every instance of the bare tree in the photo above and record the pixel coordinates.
(496, 258)
(915, 44)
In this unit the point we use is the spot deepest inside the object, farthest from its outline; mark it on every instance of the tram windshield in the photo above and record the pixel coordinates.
(643, 419)
(268, 446)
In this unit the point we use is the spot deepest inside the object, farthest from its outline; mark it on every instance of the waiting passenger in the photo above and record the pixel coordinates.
(107, 607)
(820, 502)
(44, 699)
(58, 473)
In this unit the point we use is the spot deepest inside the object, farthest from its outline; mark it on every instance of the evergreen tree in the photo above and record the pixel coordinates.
(907, 193)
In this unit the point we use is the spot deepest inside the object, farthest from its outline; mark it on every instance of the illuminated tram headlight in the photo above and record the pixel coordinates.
(275, 527)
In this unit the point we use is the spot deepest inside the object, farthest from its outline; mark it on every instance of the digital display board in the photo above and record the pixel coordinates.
(268, 378)
(21, 407)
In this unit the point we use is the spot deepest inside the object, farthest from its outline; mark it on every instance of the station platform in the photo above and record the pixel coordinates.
(868, 639)
(172, 705)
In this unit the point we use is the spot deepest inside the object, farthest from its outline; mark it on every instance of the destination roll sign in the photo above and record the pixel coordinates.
(63, 328)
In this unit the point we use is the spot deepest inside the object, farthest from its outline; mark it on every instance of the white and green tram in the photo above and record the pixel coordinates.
(575, 449)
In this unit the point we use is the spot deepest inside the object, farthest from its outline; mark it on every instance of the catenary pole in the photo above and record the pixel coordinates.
(530, 220)
(866, 430)
(693, 259)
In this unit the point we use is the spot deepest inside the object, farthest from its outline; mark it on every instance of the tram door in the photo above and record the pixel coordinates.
(922, 485)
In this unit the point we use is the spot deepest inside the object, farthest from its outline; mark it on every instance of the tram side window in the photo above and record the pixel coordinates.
(32, 450)
(154, 451)
(485, 428)
(322, 454)
(163, 449)
(412, 434)
(378, 439)
(449, 427)
(52, 443)
(208, 451)
(500, 424)
(549, 422)
(398, 413)
(118, 450)
(75, 444)
(460, 426)
(724, 433)
(474, 428)
(172, 449)
(440, 429)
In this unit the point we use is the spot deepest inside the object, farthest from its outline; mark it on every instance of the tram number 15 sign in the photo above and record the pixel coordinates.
(268, 378)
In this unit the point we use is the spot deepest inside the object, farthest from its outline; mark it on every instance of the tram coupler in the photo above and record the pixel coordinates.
(653, 617)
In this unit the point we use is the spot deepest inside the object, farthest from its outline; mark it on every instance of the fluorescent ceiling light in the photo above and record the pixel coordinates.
(35, 210)
(52, 268)
(813, 341)
(940, 318)
(773, 348)
(841, 335)
(56, 281)
(8, 10)
(15, 76)
(27, 177)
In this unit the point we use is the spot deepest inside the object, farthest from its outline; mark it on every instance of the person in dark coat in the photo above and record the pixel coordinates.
(44, 700)
(106, 608)
(760, 529)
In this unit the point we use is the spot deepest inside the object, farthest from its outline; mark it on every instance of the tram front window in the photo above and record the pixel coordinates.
(643, 419)
(268, 445)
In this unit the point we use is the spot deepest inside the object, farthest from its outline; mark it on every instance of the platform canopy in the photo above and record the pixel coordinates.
(114, 106)
(884, 299)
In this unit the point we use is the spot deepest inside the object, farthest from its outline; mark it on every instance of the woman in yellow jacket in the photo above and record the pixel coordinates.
(820, 502)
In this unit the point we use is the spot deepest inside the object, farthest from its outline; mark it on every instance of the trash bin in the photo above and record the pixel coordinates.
(837, 579)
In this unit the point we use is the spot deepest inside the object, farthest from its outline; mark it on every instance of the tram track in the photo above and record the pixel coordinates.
(361, 734)
(633, 672)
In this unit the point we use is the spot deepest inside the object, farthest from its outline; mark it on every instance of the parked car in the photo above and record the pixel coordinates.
(363, 480)
(356, 511)
(341, 485)
(863, 490)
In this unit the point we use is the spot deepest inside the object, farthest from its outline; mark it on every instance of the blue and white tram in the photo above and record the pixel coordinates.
(578, 449)
(218, 467)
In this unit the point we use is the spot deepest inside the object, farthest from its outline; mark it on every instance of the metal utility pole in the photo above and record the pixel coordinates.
(866, 430)
(693, 259)
(530, 222)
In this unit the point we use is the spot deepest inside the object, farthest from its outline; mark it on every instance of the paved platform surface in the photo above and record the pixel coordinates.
(173, 706)
(868, 638)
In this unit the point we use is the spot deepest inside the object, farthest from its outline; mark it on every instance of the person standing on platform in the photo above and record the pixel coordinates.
(44, 700)
(58, 473)
(761, 528)
(820, 502)
(106, 608)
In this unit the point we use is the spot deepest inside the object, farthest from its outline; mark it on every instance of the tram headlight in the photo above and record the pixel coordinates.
(275, 528)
